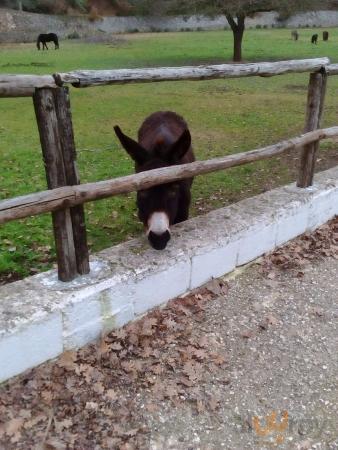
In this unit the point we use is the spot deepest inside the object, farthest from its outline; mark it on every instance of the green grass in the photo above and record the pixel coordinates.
(225, 116)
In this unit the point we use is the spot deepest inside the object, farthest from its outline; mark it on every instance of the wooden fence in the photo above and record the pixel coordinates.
(65, 197)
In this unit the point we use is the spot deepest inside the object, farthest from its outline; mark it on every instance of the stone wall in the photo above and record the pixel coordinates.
(18, 26)
(40, 317)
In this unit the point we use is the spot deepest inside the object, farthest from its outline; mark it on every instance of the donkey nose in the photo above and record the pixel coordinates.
(159, 241)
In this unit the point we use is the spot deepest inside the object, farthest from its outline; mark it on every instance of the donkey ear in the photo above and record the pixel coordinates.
(181, 146)
(135, 150)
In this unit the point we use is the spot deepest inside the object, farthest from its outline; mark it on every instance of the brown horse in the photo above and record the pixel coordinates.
(163, 140)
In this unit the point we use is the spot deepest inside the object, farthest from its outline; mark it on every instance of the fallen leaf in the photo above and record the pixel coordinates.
(218, 287)
(67, 360)
(246, 334)
(92, 406)
(13, 426)
(61, 425)
(271, 319)
(54, 444)
(111, 394)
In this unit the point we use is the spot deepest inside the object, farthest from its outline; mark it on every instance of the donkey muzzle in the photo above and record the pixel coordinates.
(159, 241)
(158, 230)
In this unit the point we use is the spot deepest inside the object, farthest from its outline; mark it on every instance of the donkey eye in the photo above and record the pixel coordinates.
(142, 194)
(172, 194)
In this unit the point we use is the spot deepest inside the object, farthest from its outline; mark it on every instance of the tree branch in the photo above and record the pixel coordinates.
(231, 21)
(241, 21)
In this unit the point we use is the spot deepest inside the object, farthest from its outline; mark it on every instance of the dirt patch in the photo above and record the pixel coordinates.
(282, 170)
(9, 277)
(326, 159)
(104, 38)
(296, 87)
(32, 64)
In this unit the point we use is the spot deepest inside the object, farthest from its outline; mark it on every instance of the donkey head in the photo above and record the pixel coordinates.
(157, 206)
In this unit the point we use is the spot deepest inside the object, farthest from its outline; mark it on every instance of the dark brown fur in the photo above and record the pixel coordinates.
(314, 39)
(50, 37)
(163, 140)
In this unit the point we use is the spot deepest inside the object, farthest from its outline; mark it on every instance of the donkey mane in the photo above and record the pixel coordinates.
(160, 130)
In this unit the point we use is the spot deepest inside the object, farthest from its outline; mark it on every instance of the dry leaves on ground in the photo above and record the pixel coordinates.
(95, 397)
(295, 255)
(91, 397)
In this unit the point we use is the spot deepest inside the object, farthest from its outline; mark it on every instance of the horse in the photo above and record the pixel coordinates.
(325, 35)
(294, 35)
(314, 39)
(163, 140)
(50, 37)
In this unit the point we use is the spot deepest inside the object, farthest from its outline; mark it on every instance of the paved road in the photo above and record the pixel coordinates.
(282, 339)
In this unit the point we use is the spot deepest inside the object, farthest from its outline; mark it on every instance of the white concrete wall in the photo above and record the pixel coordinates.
(41, 316)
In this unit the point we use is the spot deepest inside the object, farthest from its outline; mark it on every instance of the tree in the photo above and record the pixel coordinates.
(235, 11)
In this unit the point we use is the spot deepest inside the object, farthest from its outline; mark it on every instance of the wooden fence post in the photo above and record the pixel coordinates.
(314, 110)
(63, 111)
(47, 120)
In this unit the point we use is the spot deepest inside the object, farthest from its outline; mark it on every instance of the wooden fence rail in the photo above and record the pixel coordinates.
(66, 196)
(24, 85)
(85, 78)
(69, 196)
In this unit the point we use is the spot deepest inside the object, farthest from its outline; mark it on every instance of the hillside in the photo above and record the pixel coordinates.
(70, 7)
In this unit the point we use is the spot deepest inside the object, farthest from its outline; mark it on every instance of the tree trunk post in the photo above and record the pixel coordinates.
(63, 111)
(238, 31)
(314, 110)
(238, 36)
(45, 110)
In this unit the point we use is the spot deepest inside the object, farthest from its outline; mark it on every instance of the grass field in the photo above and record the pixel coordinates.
(225, 116)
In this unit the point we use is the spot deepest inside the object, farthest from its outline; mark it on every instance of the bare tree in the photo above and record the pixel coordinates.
(235, 11)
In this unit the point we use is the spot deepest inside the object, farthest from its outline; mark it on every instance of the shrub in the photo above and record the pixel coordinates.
(73, 35)
(258, 26)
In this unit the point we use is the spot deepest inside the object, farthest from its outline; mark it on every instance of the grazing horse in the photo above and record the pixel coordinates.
(314, 39)
(163, 140)
(325, 35)
(50, 37)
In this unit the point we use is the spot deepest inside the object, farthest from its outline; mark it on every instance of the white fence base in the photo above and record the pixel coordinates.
(40, 316)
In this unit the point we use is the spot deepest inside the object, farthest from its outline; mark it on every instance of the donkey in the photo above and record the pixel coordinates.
(314, 39)
(50, 37)
(163, 140)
